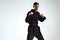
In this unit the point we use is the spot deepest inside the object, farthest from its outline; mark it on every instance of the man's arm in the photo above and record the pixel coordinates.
(28, 17)
(41, 17)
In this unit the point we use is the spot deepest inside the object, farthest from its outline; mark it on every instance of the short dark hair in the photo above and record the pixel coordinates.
(36, 3)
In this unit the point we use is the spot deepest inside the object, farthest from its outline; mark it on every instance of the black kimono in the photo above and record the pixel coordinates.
(33, 28)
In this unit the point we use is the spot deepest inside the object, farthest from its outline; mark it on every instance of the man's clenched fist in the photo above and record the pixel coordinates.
(42, 15)
(31, 13)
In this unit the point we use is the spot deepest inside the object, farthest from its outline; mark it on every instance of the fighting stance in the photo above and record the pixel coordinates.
(32, 18)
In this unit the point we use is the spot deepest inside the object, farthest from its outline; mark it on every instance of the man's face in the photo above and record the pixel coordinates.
(36, 7)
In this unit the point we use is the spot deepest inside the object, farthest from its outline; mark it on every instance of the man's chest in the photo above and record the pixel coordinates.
(35, 16)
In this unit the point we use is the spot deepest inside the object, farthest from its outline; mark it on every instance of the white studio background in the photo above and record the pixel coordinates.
(12, 19)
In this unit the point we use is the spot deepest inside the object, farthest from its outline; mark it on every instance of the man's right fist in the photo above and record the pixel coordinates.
(31, 13)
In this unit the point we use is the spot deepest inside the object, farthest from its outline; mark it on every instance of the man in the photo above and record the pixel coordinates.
(32, 18)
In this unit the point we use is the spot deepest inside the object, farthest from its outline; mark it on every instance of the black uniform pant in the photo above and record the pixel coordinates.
(34, 30)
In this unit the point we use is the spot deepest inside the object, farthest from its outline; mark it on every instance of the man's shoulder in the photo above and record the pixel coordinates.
(38, 12)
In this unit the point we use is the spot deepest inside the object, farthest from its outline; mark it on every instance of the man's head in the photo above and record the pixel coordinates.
(36, 5)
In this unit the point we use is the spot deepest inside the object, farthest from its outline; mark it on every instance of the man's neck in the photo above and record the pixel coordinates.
(35, 10)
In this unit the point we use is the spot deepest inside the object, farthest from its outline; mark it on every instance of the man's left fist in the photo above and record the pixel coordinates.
(42, 15)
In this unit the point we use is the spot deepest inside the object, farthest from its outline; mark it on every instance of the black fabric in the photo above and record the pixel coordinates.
(33, 19)
(33, 28)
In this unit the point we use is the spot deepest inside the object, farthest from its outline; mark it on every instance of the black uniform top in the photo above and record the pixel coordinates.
(33, 19)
